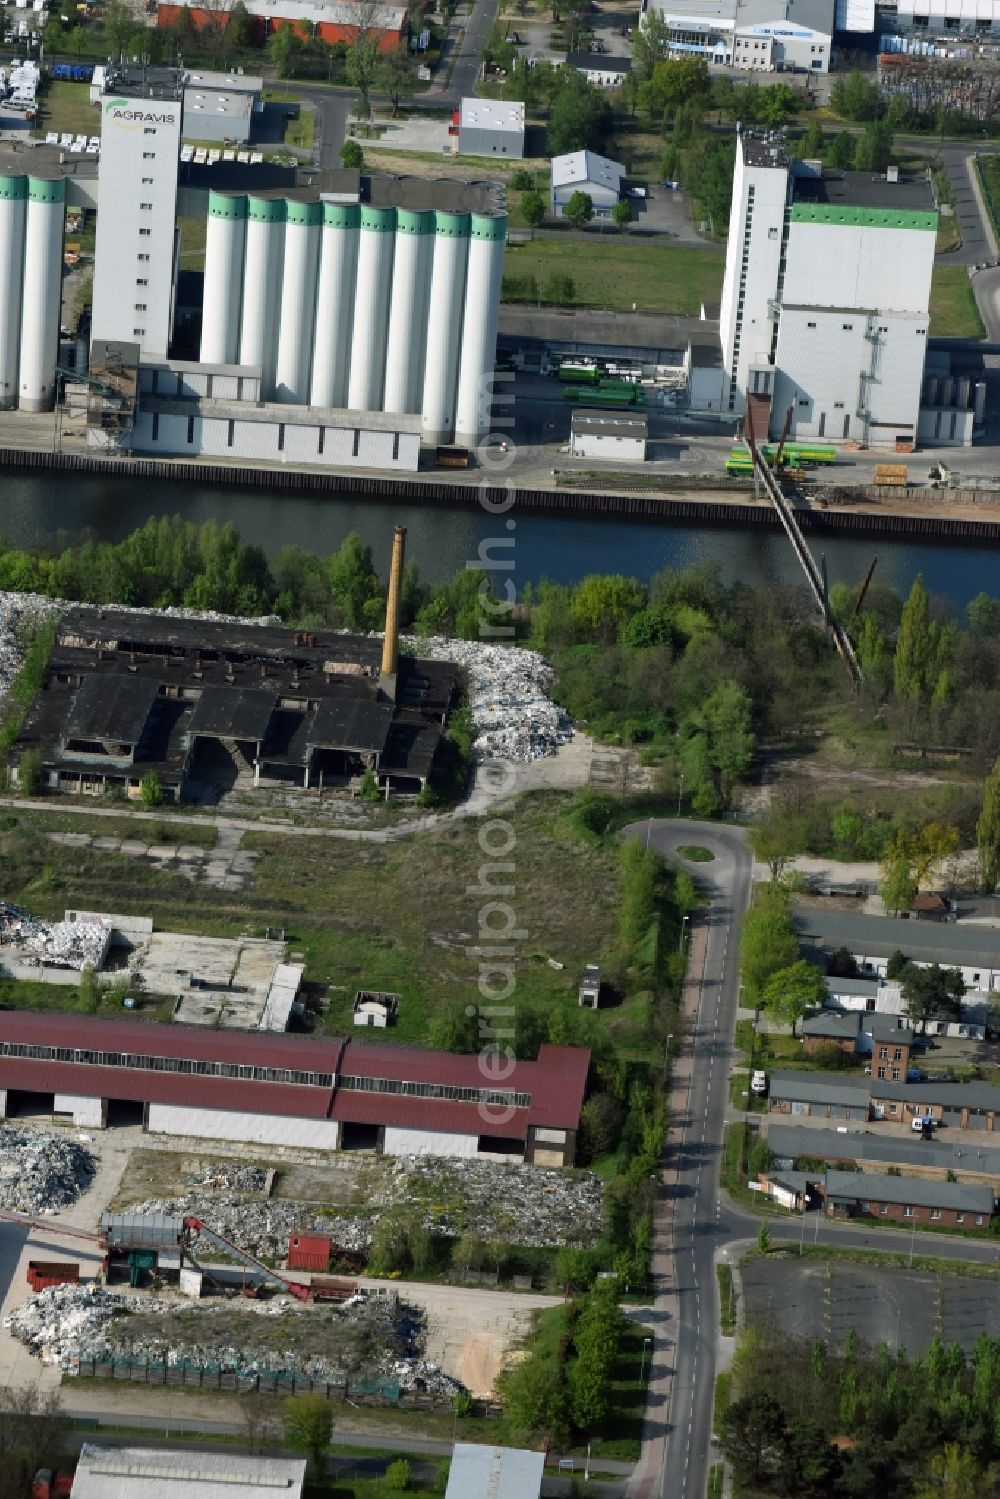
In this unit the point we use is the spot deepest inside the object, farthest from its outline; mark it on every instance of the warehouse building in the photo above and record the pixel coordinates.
(306, 1091)
(489, 127)
(328, 21)
(158, 1473)
(753, 35)
(826, 295)
(613, 436)
(601, 179)
(480, 1472)
(221, 107)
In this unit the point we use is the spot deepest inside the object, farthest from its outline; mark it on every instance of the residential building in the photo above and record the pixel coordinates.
(600, 69)
(849, 1194)
(613, 436)
(136, 249)
(320, 1093)
(826, 296)
(753, 35)
(601, 179)
(489, 127)
(480, 1472)
(160, 1473)
(885, 1038)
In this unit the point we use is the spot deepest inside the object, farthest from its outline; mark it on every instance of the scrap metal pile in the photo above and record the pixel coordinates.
(260, 1227)
(229, 1176)
(64, 944)
(513, 716)
(41, 1173)
(373, 1337)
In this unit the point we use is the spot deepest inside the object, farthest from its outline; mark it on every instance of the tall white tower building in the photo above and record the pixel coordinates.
(135, 256)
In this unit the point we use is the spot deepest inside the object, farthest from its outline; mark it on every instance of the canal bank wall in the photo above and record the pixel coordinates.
(860, 510)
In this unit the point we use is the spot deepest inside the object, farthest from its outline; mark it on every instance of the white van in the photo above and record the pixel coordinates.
(758, 1082)
(922, 1124)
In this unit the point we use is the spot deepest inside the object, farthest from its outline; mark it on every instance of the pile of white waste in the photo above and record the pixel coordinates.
(512, 714)
(65, 944)
(260, 1227)
(41, 1173)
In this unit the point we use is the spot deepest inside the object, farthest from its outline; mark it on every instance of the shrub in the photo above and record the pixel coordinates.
(351, 154)
(397, 1476)
(151, 790)
(29, 773)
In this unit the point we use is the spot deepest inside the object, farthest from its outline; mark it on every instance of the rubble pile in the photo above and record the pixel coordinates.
(229, 1176)
(260, 1227)
(512, 714)
(374, 1337)
(65, 944)
(41, 1173)
(522, 1204)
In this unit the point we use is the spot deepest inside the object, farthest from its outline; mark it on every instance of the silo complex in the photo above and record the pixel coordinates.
(338, 264)
(13, 211)
(406, 339)
(477, 358)
(41, 293)
(262, 273)
(444, 324)
(300, 268)
(371, 308)
(225, 245)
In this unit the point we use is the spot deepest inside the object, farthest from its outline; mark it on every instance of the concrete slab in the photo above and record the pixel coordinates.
(190, 853)
(107, 845)
(244, 863)
(134, 847)
(162, 853)
(71, 840)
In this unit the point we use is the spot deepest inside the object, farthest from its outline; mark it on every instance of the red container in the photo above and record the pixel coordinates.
(309, 1251)
(47, 1485)
(45, 1273)
(331, 1288)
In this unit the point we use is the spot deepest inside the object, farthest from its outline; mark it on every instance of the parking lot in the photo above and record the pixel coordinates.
(828, 1299)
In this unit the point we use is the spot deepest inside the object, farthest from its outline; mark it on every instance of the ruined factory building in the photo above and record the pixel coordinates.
(323, 1094)
(155, 1473)
(217, 706)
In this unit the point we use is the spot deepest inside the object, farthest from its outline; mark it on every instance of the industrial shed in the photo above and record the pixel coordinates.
(311, 1092)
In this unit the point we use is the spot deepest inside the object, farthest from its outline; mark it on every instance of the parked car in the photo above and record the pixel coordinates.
(914, 1075)
(758, 1082)
(922, 1124)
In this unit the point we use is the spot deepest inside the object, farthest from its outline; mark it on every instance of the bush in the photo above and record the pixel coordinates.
(397, 1476)
(351, 154)
(29, 773)
(521, 180)
(151, 790)
(369, 786)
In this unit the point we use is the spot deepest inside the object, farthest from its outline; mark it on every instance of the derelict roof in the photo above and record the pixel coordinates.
(351, 723)
(111, 706)
(233, 713)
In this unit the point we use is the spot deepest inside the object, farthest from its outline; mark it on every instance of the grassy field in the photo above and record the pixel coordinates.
(988, 170)
(620, 273)
(193, 232)
(121, 826)
(954, 313)
(301, 128)
(66, 107)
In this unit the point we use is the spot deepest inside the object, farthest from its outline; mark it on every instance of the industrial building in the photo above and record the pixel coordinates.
(612, 436)
(480, 1472)
(602, 180)
(825, 301)
(489, 127)
(32, 210)
(159, 1473)
(600, 69)
(230, 706)
(754, 35)
(329, 21)
(316, 1093)
(221, 107)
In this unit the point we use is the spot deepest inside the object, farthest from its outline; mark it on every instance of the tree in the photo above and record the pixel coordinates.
(841, 153)
(843, 964)
(309, 1427)
(873, 151)
(90, 992)
(812, 142)
(579, 210)
(29, 773)
(351, 154)
(933, 993)
(454, 1028)
(397, 1476)
(955, 1474)
(151, 789)
(283, 48)
(988, 831)
(354, 582)
(767, 945)
(363, 58)
(240, 27)
(395, 75)
(731, 742)
(34, 1429)
(53, 35)
(650, 43)
(673, 83)
(777, 837)
(621, 213)
(897, 884)
(911, 662)
(792, 992)
(896, 964)
(533, 208)
(763, 1239)
(580, 117)
(752, 1434)
(855, 97)
(119, 28)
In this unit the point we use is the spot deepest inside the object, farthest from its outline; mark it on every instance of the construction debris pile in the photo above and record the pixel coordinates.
(371, 1338)
(41, 1173)
(63, 944)
(229, 1176)
(260, 1227)
(513, 716)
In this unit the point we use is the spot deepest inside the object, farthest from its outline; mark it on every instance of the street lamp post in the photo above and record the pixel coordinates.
(680, 793)
(684, 921)
(642, 1366)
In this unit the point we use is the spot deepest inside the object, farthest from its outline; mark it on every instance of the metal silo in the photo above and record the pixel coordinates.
(262, 270)
(298, 302)
(371, 308)
(406, 339)
(13, 211)
(479, 328)
(444, 325)
(42, 293)
(225, 243)
(338, 265)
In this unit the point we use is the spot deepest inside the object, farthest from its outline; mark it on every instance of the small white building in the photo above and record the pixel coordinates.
(480, 1472)
(589, 993)
(614, 436)
(585, 172)
(375, 1007)
(490, 127)
(158, 1473)
(599, 69)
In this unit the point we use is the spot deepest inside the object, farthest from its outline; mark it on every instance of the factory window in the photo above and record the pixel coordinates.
(190, 432)
(838, 405)
(772, 234)
(138, 332)
(146, 207)
(395, 446)
(141, 256)
(356, 445)
(142, 281)
(147, 182)
(320, 439)
(847, 327)
(149, 155)
(145, 233)
(140, 307)
(281, 437)
(156, 425)
(230, 434)
(810, 325)
(149, 130)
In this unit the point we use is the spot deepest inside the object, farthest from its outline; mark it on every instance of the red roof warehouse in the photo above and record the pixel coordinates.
(294, 1090)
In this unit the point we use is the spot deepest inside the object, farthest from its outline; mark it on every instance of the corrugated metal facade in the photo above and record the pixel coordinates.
(275, 442)
(429, 1142)
(260, 1129)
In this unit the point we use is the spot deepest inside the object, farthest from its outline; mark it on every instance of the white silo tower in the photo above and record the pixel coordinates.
(406, 339)
(477, 358)
(13, 210)
(444, 325)
(338, 266)
(376, 245)
(298, 302)
(262, 271)
(225, 243)
(42, 293)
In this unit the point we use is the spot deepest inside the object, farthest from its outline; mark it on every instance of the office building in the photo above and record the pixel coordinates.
(754, 35)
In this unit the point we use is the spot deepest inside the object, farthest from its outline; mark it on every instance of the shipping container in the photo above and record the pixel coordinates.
(446, 457)
(329, 1288)
(45, 1273)
(308, 1251)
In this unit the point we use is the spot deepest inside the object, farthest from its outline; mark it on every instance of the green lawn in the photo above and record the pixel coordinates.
(301, 128)
(954, 313)
(66, 107)
(988, 170)
(193, 232)
(618, 272)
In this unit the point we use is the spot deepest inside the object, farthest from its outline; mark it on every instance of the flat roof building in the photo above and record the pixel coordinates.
(614, 436)
(158, 1473)
(754, 35)
(490, 127)
(494, 1472)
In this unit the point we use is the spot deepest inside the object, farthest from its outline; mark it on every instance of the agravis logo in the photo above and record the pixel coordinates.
(124, 112)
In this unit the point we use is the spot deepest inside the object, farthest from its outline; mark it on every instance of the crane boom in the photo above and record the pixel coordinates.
(52, 1226)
